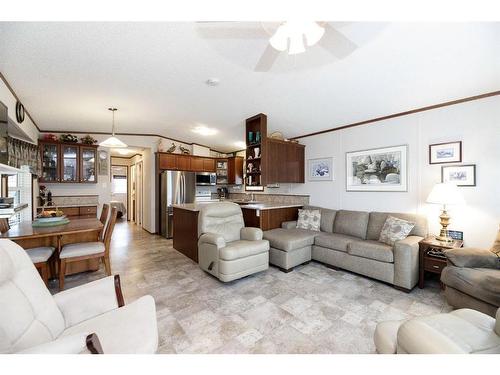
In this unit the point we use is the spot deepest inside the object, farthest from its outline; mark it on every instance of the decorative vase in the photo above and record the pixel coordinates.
(257, 137)
(250, 137)
(256, 151)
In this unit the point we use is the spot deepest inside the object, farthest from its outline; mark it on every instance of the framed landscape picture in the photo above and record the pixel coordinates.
(380, 169)
(320, 169)
(441, 153)
(462, 175)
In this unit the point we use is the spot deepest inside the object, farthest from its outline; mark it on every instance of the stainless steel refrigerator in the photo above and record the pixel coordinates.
(175, 188)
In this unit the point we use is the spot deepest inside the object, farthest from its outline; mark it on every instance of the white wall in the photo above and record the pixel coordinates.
(476, 124)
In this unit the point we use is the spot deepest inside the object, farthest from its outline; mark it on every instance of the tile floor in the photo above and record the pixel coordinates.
(313, 309)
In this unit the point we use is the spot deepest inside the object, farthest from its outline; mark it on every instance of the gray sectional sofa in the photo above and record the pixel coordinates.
(349, 240)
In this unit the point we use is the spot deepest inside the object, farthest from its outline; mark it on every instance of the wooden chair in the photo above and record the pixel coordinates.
(88, 250)
(104, 217)
(42, 257)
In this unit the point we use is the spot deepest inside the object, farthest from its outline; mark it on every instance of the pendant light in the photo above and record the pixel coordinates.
(113, 142)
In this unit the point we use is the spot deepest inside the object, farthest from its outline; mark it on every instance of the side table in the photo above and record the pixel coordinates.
(431, 256)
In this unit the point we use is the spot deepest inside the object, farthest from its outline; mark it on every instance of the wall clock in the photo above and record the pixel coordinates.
(19, 112)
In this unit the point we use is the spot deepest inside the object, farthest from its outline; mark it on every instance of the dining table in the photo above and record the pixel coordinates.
(77, 230)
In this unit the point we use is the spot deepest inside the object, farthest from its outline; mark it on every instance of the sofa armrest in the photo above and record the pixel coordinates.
(212, 239)
(80, 343)
(470, 257)
(406, 262)
(289, 224)
(251, 234)
(90, 300)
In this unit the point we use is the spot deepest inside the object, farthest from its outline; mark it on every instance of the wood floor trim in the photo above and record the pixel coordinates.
(405, 113)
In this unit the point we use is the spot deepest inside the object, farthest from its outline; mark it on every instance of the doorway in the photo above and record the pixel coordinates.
(119, 187)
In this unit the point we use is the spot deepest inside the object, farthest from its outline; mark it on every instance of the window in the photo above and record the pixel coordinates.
(119, 184)
(19, 187)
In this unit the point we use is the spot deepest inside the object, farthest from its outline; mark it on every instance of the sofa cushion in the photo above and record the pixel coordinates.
(372, 250)
(472, 258)
(334, 241)
(395, 229)
(290, 239)
(480, 283)
(327, 218)
(377, 220)
(352, 223)
(309, 219)
(242, 249)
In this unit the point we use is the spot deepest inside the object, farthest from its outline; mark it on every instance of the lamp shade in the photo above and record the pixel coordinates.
(445, 193)
(112, 142)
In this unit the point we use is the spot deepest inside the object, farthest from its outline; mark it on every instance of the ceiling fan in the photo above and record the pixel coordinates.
(290, 37)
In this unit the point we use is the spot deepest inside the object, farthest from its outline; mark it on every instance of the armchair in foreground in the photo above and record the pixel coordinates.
(226, 249)
(462, 331)
(472, 278)
(90, 318)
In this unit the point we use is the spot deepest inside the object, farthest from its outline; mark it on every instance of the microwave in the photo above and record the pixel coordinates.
(206, 178)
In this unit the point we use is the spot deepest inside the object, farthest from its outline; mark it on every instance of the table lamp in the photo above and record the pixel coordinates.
(445, 193)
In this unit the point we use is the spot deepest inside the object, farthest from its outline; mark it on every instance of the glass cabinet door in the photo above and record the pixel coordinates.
(69, 163)
(88, 173)
(50, 162)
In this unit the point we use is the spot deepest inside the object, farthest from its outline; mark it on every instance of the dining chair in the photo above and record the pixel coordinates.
(104, 217)
(42, 257)
(75, 252)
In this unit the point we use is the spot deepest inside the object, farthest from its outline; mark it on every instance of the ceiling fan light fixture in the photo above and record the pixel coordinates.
(296, 45)
(279, 40)
(113, 142)
(313, 33)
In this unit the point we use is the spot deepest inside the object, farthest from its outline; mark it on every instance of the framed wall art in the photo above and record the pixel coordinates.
(379, 169)
(441, 153)
(320, 169)
(462, 175)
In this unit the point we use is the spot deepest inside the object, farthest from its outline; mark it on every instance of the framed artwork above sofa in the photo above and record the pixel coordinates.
(378, 169)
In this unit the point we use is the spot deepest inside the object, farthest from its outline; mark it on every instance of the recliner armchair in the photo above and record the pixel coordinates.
(226, 249)
(91, 318)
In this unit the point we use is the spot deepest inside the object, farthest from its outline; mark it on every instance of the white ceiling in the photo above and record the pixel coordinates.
(68, 74)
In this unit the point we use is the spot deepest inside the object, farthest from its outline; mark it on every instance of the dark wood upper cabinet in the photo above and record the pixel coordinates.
(286, 161)
(235, 170)
(88, 157)
(197, 164)
(68, 162)
(208, 164)
(180, 162)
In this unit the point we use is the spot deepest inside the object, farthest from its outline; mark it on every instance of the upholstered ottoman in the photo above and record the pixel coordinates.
(289, 247)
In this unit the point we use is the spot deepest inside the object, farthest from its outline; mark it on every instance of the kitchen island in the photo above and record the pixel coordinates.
(260, 215)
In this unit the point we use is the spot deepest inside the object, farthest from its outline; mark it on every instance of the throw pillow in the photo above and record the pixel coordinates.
(309, 219)
(395, 229)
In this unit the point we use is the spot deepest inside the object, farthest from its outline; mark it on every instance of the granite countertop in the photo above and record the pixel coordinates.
(70, 205)
(252, 206)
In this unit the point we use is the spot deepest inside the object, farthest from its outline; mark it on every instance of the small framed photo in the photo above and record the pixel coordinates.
(320, 169)
(462, 175)
(441, 153)
(456, 234)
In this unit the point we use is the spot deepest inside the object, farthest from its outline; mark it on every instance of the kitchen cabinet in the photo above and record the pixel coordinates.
(88, 156)
(235, 170)
(68, 162)
(180, 162)
(81, 211)
(285, 162)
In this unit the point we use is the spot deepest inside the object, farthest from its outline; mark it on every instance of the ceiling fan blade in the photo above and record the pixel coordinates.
(217, 32)
(267, 59)
(336, 43)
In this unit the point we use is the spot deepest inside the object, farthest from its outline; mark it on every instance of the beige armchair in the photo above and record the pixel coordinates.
(462, 331)
(91, 318)
(226, 249)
